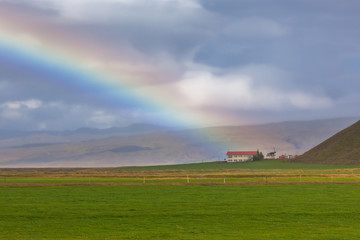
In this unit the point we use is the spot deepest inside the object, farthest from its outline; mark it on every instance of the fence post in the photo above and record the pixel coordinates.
(300, 178)
(144, 180)
(188, 181)
(224, 180)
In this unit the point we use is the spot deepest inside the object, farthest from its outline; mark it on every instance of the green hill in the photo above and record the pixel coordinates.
(99, 148)
(342, 148)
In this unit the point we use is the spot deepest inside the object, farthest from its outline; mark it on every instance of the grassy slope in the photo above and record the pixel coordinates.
(342, 148)
(181, 212)
(265, 164)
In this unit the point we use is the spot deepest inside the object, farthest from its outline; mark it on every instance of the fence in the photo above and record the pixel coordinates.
(9, 180)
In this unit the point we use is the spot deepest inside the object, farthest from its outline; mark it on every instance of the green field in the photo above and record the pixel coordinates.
(265, 164)
(192, 201)
(248, 172)
(325, 211)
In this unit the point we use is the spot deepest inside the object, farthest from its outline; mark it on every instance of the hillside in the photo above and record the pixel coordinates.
(342, 148)
(292, 137)
(151, 146)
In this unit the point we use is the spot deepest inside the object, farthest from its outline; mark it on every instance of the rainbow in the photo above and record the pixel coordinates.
(78, 63)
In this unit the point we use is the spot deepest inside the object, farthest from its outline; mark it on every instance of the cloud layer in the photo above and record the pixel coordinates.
(234, 60)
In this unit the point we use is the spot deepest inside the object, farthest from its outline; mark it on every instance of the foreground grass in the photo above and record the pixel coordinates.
(329, 211)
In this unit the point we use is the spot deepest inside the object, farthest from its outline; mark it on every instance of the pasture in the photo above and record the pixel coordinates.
(269, 171)
(188, 203)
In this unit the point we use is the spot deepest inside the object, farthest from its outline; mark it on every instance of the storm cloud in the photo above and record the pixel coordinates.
(240, 61)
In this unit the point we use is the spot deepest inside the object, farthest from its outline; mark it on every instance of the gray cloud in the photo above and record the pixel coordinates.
(33, 114)
(315, 43)
(302, 56)
(31, 7)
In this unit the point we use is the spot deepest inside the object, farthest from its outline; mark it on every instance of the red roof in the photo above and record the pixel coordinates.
(242, 153)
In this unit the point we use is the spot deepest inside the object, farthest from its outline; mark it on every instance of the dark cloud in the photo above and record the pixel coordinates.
(319, 38)
(303, 48)
(30, 8)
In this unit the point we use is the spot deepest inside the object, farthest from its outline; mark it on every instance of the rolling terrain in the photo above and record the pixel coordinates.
(153, 145)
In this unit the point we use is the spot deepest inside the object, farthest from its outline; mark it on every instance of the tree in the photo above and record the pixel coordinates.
(259, 156)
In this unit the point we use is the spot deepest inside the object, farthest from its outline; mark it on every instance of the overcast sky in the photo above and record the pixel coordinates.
(218, 62)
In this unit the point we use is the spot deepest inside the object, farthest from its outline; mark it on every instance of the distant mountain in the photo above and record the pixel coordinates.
(143, 149)
(293, 137)
(135, 128)
(149, 145)
(9, 138)
(6, 134)
(342, 148)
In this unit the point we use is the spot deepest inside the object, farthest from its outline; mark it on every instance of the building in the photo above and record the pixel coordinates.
(240, 156)
(288, 156)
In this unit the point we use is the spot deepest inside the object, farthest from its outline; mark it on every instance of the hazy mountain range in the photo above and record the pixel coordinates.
(144, 144)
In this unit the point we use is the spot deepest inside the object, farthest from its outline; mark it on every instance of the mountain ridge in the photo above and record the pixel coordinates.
(164, 146)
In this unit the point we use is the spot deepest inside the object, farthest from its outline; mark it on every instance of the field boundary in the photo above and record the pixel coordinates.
(174, 184)
(99, 177)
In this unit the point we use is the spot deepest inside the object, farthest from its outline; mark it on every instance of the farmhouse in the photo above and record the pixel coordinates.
(240, 156)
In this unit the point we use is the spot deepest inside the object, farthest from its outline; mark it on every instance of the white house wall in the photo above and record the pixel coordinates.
(239, 158)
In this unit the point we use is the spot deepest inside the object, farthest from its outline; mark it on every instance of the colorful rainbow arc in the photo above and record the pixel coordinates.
(62, 62)
(108, 88)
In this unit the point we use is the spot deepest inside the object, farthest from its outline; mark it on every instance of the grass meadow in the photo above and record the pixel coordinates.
(311, 211)
(266, 164)
(254, 203)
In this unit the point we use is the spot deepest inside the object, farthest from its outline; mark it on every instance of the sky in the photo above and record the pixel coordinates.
(185, 63)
